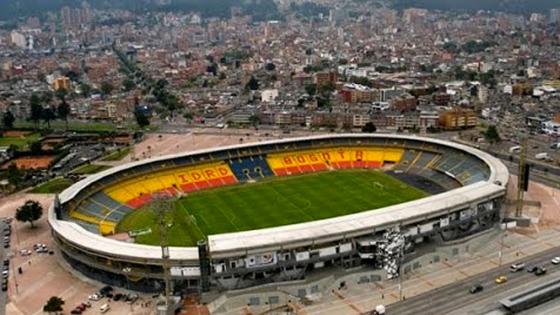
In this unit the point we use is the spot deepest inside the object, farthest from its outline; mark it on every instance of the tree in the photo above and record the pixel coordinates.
(31, 211)
(311, 89)
(369, 128)
(36, 109)
(491, 134)
(141, 119)
(62, 111)
(188, 116)
(254, 120)
(128, 84)
(106, 88)
(253, 84)
(48, 114)
(270, 66)
(14, 175)
(326, 88)
(54, 305)
(86, 89)
(36, 148)
(61, 94)
(212, 68)
(8, 120)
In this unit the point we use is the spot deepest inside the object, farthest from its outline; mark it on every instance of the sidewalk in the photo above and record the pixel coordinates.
(359, 298)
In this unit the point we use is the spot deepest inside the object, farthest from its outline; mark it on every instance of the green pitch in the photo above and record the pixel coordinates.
(272, 202)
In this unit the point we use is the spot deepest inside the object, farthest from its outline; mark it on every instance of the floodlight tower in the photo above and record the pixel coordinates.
(522, 177)
(162, 203)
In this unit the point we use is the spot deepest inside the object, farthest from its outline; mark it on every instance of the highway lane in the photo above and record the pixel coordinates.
(445, 299)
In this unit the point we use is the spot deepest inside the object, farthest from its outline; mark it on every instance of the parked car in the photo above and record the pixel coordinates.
(94, 297)
(476, 288)
(131, 298)
(76, 312)
(106, 289)
(104, 308)
(117, 297)
(555, 260)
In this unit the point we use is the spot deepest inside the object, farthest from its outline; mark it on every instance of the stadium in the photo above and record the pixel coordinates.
(250, 214)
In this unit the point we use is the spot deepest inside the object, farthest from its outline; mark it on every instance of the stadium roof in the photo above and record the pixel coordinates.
(294, 235)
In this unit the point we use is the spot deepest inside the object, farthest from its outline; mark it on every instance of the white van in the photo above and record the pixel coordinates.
(104, 308)
(515, 149)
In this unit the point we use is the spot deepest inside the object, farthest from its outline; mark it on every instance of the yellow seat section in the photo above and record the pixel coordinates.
(105, 227)
(84, 217)
(174, 178)
(392, 155)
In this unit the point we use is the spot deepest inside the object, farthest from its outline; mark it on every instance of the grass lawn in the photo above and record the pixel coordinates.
(53, 186)
(272, 202)
(20, 142)
(117, 155)
(90, 169)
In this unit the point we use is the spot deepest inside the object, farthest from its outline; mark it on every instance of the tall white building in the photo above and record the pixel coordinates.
(555, 15)
(19, 39)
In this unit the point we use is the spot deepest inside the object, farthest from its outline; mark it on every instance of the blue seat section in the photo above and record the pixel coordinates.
(102, 198)
(247, 168)
(104, 207)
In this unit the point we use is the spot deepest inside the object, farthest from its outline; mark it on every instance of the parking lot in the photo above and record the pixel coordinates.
(42, 274)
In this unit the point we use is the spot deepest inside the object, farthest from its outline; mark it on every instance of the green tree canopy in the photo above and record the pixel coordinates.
(369, 128)
(8, 119)
(30, 211)
(14, 175)
(106, 88)
(252, 84)
(36, 109)
(491, 134)
(53, 305)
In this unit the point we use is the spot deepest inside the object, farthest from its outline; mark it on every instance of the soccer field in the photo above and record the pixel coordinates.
(272, 202)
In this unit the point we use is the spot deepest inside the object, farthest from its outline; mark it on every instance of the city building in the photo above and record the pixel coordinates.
(457, 118)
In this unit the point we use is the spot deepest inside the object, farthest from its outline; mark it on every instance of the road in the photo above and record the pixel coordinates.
(3, 255)
(454, 297)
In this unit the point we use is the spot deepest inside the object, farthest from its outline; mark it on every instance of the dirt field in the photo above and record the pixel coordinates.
(28, 163)
(155, 145)
(547, 214)
(16, 133)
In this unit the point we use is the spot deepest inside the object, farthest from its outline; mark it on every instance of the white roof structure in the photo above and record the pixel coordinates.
(290, 235)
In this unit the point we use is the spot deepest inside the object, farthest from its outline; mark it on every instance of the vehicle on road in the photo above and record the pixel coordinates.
(379, 310)
(540, 271)
(501, 279)
(555, 260)
(476, 288)
(532, 268)
(517, 267)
